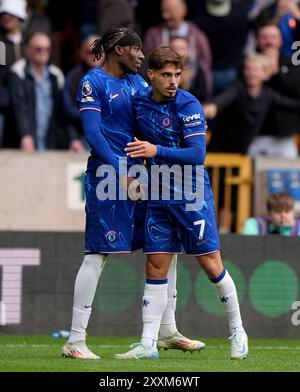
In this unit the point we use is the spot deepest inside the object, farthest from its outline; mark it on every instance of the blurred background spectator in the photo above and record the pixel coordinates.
(277, 132)
(225, 22)
(147, 14)
(243, 107)
(174, 23)
(37, 18)
(88, 17)
(34, 87)
(66, 21)
(280, 218)
(192, 76)
(12, 15)
(115, 13)
(71, 114)
(286, 14)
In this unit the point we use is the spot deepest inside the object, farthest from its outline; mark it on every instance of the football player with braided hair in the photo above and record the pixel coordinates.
(105, 104)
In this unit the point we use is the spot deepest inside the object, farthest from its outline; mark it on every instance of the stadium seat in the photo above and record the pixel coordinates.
(237, 172)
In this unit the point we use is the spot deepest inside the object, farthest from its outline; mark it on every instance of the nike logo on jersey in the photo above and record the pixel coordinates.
(111, 97)
(87, 307)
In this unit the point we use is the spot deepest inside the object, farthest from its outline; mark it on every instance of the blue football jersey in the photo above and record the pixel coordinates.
(112, 97)
(169, 124)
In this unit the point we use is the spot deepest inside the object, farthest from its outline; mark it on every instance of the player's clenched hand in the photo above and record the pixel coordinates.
(133, 188)
(141, 149)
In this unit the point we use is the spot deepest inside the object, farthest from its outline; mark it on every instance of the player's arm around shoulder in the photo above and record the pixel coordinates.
(141, 149)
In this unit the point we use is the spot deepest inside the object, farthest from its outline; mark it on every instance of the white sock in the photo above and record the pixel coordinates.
(168, 323)
(154, 303)
(227, 294)
(85, 287)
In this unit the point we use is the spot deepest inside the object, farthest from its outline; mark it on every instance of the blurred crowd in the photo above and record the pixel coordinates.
(240, 64)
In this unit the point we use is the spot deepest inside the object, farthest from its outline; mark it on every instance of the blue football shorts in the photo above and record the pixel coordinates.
(112, 226)
(170, 228)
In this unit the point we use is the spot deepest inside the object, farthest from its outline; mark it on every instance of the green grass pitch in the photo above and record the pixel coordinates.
(42, 354)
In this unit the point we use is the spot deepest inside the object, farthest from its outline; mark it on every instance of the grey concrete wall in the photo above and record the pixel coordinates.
(38, 191)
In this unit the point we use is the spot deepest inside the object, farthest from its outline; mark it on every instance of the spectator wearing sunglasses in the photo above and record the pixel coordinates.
(34, 88)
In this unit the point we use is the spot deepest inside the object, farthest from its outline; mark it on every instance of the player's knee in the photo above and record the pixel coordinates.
(156, 271)
(97, 260)
(213, 272)
(212, 264)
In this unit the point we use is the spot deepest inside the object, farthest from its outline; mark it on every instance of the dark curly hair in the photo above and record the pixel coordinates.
(107, 43)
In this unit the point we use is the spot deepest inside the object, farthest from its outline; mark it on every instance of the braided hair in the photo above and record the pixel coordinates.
(107, 43)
